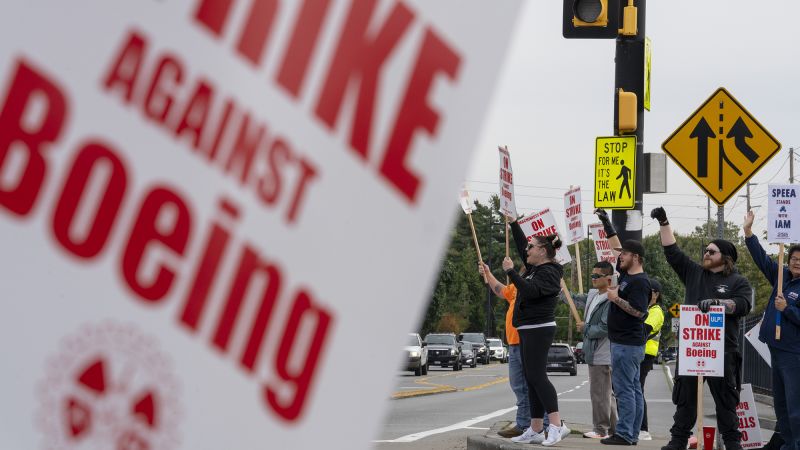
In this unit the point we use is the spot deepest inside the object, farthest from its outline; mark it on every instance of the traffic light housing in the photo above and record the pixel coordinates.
(627, 114)
(591, 19)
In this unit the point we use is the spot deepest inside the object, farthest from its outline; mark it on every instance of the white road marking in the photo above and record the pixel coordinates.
(460, 425)
(476, 428)
(457, 426)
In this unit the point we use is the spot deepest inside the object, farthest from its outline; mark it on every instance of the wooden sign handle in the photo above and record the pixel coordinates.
(477, 248)
(571, 303)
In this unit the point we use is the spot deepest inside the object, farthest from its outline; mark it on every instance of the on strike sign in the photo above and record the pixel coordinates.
(507, 205)
(601, 246)
(747, 413)
(543, 223)
(702, 341)
(179, 184)
(573, 215)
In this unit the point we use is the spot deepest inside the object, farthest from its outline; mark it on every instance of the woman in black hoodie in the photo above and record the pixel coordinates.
(534, 318)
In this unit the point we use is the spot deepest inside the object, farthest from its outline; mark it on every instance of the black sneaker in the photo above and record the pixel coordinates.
(675, 445)
(616, 439)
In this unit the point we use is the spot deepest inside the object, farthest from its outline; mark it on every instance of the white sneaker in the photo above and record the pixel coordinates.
(645, 436)
(556, 434)
(594, 435)
(529, 437)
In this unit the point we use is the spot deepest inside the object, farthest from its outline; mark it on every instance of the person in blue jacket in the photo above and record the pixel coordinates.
(785, 353)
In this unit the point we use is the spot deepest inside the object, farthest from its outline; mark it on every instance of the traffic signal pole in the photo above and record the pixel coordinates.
(629, 76)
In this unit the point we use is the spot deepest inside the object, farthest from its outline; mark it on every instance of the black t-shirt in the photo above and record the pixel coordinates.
(624, 328)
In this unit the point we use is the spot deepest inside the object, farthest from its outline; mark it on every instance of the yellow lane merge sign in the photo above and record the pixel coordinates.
(721, 146)
(615, 172)
(675, 310)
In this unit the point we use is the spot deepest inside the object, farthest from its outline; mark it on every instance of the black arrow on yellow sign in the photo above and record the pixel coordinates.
(739, 132)
(702, 132)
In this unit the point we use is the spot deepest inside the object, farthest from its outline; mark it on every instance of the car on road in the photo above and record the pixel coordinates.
(444, 350)
(417, 355)
(579, 356)
(666, 355)
(478, 341)
(468, 356)
(497, 350)
(561, 359)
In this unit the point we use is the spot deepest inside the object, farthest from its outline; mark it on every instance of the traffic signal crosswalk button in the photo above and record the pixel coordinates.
(721, 146)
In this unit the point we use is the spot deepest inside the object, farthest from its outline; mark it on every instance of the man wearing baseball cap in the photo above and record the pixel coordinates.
(714, 282)
(626, 315)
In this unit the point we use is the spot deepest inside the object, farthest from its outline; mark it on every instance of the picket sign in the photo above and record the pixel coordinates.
(747, 413)
(185, 184)
(542, 223)
(783, 215)
(602, 248)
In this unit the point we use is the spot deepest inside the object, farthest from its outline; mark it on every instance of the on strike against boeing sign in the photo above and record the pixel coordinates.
(178, 184)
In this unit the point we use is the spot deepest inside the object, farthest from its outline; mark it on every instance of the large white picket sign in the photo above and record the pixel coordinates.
(542, 223)
(701, 348)
(573, 217)
(783, 213)
(184, 188)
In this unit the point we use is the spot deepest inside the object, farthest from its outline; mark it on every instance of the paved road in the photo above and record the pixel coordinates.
(480, 397)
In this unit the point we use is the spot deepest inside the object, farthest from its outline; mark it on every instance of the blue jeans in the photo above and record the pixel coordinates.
(625, 362)
(786, 395)
(516, 377)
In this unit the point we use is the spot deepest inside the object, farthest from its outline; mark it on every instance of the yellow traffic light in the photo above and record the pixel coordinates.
(590, 13)
(626, 112)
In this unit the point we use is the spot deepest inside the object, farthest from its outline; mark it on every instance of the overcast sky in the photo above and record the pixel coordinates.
(555, 96)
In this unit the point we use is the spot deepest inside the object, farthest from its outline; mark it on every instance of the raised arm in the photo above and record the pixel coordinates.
(680, 263)
(765, 264)
(611, 232)
(520, 242)
(496, 286)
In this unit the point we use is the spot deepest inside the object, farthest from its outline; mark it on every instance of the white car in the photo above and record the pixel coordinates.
(417, 355)
(497, 350)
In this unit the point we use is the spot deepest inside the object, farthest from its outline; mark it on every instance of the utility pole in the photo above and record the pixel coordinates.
(629, 76)
(791, 164)
(708, 222)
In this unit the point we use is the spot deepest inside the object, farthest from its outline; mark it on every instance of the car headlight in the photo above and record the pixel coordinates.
(414, 354)
(452, 352)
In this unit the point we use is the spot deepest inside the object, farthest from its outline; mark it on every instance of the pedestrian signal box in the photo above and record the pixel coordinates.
(615, 172)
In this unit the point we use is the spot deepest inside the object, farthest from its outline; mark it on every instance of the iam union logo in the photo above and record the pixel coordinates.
(108, 387)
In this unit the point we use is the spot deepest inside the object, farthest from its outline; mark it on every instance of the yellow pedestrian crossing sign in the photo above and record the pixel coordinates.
(615, 172)
(721, 146)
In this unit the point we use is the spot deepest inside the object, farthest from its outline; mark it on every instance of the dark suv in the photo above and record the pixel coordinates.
(479, 343)
(444, 350)
(561, 359)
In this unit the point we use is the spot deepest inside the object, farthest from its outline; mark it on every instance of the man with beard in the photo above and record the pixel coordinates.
(626, 315)
(715, 282)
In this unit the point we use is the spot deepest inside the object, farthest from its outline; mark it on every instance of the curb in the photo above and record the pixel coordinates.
(490, 442)
(423, 392)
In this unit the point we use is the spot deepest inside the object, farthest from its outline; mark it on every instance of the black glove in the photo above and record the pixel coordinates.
(660, 215)
(706, 304)
(608, 227)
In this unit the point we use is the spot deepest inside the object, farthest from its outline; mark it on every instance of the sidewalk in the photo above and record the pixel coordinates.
(491, 441)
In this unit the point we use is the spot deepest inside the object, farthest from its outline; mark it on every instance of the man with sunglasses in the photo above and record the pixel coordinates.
(714, 282)
(597, 351)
